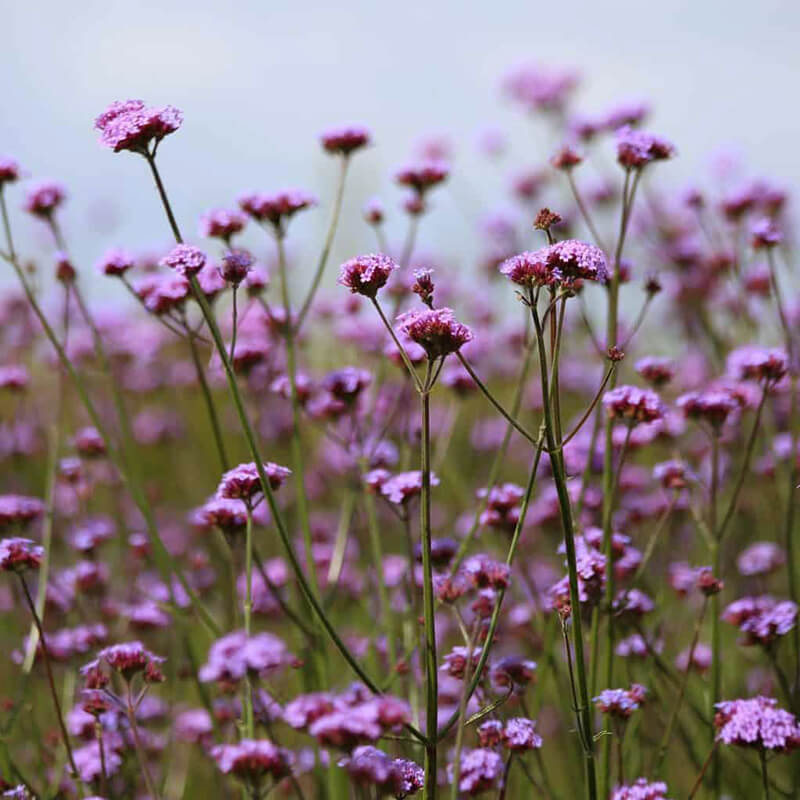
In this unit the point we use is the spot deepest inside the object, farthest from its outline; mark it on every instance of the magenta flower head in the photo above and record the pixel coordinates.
(253, 760)
(765, 233)
(130, 125)
(636, 149)
(9, 171)
(44, 199)
(758, 723)
(633, 404)
(397, 777)
(184, 259)
(345, 140)
(19, 510)
(529, 269)
(423, 286)
(619, 703)
(566, 158)
(131, 658)
(222, 223)
(481, 771)
(374, 212)
(276, 208)
(655, 370)
(20, 555)
(760, 558)
(243, 483)
(435, 330)
(751, 363)
(235, 266)
(14, 377)
(712, 406)
(367, 274)
(424, 176)
(641, 789)
(400, 488)
(519, 735)
(116, 262)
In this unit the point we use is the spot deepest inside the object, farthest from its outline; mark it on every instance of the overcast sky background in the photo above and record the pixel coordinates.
(258, 79)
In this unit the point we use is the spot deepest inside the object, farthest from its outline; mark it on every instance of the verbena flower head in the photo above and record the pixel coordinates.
(401, 488)
(9, 170)
(672, 474)
(655, 370)
(185, 260)
(620, 702)
(131, 658)
(481, 771)
(243, 482)
(45, 198)
(236, 264)
(116, 262)
(276, 208)
(757, 722)
(367, 274)
(222, 223)
(423, 176)
(633, 404)
(130, 125)
(712, 406)
(641, 789)
(760, 558)
(14, 377)
(435, 330)
(19, 510)
(345, 140)
(253, 760)
(636, 148)
(752, 363)
(235, 655)
(561, 263)
(761, 619)
(20, 555)
(519, 735)
(397, 777)
(765, 233)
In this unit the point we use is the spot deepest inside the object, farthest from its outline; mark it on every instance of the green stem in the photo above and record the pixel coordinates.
(429, 611)
(248, 615)
(51, 683)
(326, 247)
(583, 712)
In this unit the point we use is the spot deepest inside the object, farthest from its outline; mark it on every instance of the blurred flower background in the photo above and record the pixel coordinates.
(257, 79)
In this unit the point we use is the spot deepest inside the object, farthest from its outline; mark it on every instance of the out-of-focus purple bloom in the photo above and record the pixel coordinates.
(633, 404)
(345, 140)
(636, 148)
(116, 262)
(20, 555)
(45, 198)
(481, 771)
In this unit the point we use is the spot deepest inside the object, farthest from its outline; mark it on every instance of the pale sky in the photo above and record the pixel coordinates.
(258, 79)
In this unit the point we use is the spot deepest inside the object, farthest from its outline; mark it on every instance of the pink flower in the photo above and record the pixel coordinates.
(435, 330)
(130, 125)
(366, 274)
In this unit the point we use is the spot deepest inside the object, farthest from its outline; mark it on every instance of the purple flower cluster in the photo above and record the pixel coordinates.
(757, 722)
(131, 125)
(435, 330)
